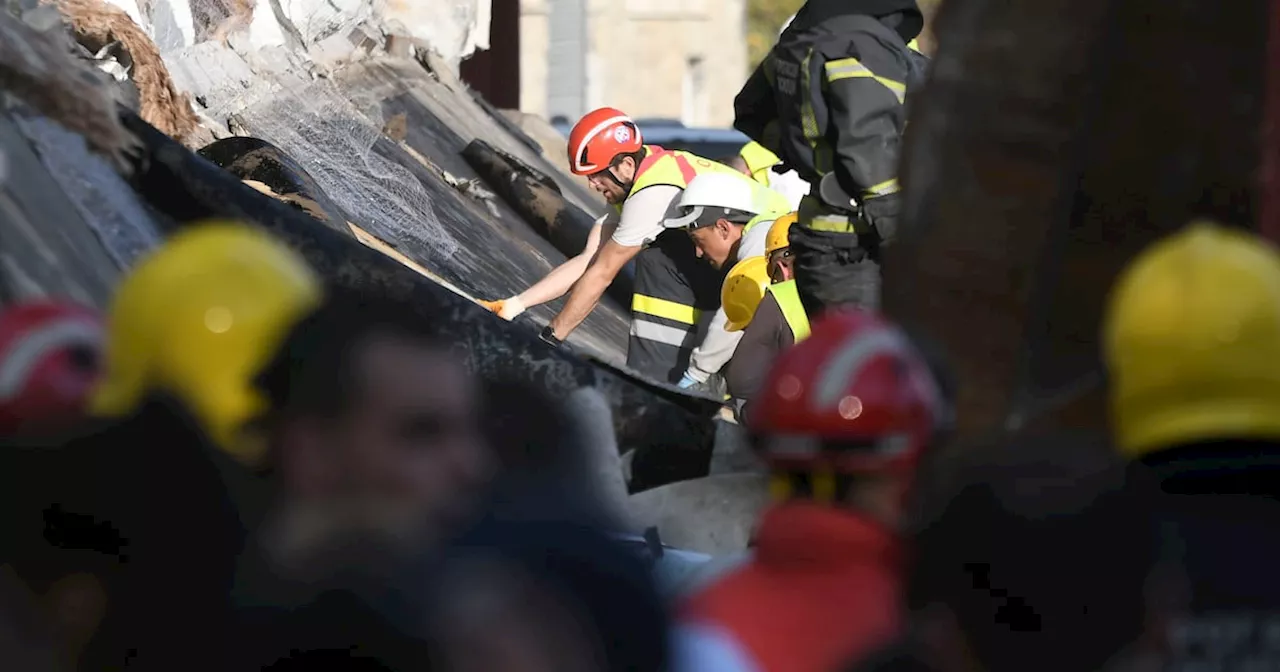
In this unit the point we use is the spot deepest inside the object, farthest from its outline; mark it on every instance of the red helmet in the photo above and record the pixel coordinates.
(599, 137)
(50, 359)
(854, 397)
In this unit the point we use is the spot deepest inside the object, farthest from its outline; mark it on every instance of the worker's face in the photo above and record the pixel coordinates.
(717, 243)
(610, 181)
(410, 436)
(781, 265)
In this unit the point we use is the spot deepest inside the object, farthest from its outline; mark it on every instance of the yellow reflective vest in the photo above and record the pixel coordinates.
(793, 312)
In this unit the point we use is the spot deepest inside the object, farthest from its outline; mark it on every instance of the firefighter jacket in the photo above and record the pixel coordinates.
(829, 98)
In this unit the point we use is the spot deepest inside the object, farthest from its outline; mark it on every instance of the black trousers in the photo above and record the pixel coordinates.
(834, 267)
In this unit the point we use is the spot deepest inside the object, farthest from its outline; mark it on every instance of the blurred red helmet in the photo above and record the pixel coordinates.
(50, 359)
(599, 137)
(854, 397)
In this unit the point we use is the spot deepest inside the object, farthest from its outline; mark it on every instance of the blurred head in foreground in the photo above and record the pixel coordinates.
(371, 422)
(50, 359)
(197, 319)
(845, 416)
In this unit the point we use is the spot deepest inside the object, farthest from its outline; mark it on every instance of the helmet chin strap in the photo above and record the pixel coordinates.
(625, 186)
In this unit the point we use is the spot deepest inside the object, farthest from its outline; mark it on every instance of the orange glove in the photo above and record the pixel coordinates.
(508, 309)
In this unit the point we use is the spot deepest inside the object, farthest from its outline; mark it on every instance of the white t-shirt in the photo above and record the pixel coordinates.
(790, 185)
(643, 214)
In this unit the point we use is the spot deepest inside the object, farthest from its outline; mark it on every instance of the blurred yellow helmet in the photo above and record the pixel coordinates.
(1192, 341)
(777, 238)
(742, 291)
(198, 319)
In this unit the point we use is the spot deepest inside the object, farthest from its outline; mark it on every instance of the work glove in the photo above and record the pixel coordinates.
(686, 382)
(507, 309)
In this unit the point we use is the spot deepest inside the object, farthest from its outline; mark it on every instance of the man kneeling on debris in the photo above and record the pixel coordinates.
(673, 289)
(760, 299)
(844, 418)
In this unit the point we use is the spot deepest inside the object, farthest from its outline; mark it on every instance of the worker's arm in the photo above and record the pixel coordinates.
(587, 292)
(864, 98)
(715, 350)
(755, 111)
(639, 222)
(558, 282)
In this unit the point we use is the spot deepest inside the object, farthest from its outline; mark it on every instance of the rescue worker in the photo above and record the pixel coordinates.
(829, 101)
(728, 219)
(50, 359)
(673, 289)
(141, 504)
(744, 288)
(759, 164)
(1192, 344)
(845, 417)
(778, 322)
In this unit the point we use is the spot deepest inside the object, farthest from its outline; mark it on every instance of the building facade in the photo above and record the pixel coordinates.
(672, 59)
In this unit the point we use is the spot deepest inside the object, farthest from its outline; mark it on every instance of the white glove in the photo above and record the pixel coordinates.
(511, 308)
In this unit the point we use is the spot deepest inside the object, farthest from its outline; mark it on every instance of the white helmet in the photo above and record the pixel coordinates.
(728, 193)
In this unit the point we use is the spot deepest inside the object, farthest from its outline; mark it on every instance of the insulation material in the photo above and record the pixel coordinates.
(333, 140)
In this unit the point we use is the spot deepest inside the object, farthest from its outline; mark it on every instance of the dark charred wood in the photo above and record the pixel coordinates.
(260, 161)
(538, 200)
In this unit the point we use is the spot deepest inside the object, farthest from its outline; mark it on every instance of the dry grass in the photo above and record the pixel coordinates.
(97, 24)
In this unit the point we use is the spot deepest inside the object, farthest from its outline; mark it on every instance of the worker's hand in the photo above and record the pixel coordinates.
(686, 382)
(507, 309)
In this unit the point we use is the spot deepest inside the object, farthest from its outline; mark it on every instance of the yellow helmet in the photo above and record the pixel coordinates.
(1192, 341)
(742, 291)
(777, 238)
(198, 319)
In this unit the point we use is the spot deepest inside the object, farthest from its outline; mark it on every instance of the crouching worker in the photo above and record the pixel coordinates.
(131, 518)
(843, 419)
(728, 219)
(776, 321)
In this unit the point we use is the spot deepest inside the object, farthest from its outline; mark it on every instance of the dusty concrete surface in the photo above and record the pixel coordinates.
(713, 515)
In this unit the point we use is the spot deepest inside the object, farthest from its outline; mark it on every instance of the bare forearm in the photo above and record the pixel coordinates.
(586, 294)
(557, 283)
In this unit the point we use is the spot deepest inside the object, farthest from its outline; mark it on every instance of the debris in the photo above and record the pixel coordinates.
(97, 24)
(41, 70)
(397, 127)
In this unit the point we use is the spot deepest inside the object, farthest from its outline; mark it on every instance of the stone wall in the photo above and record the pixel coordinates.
(642, 56)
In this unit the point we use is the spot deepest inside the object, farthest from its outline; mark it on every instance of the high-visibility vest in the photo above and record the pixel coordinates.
(793, 312)
(759, 160)
(674, 290)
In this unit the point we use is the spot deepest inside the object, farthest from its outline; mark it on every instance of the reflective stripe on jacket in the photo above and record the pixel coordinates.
(675, 291)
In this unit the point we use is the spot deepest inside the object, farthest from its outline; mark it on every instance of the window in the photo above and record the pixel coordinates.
(694, 94)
